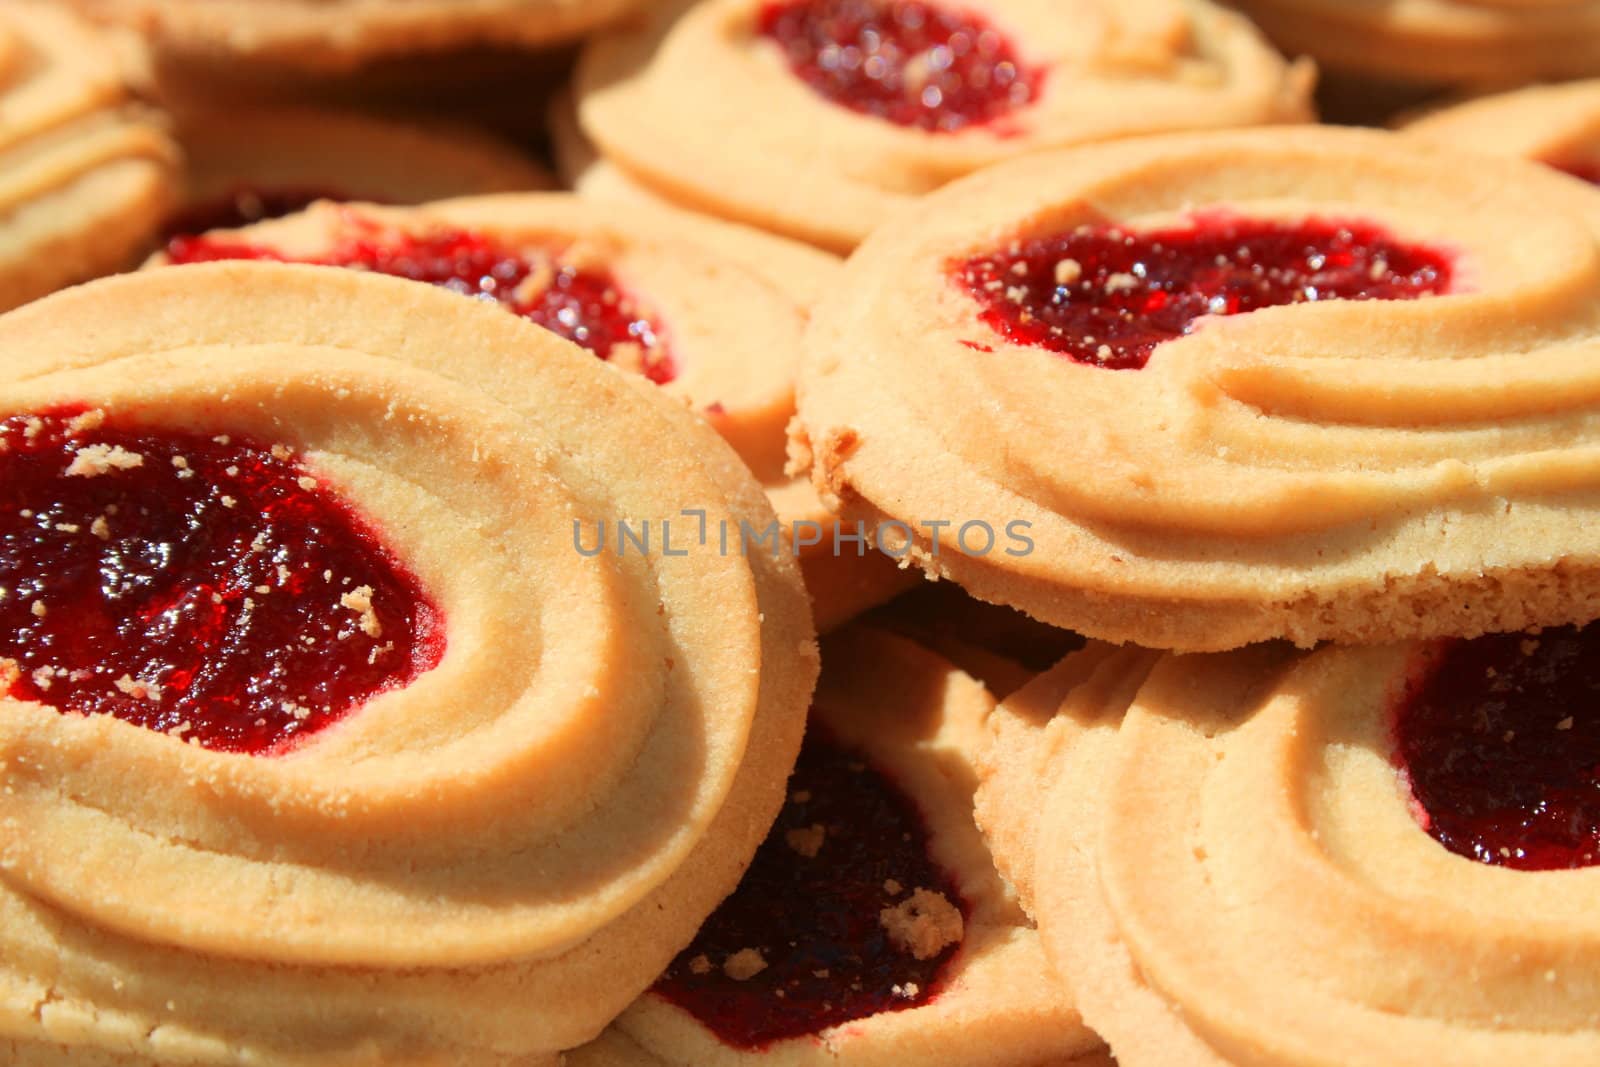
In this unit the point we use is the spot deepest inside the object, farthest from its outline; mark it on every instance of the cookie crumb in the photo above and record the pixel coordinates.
(359, 600)
(807, 840)
(91, 461)
(1068, 271)
(92, 419)
(700, 965)
(924, 924)
(139, 690)
(744, 964)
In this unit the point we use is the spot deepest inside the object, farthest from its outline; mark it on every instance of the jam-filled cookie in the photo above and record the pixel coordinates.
(1367, 856)
(1558, 125)
(867, 104)
(322, 743)
(872, 927)
(1197, 391)
(335, 35)
(654, 295)
(85, 176)
(245, 164)
(1433, 42)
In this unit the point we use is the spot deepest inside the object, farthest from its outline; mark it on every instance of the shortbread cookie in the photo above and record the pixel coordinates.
(1558, 125)
(872, 927)
(1438, 42)
(1362, 857)
(1026, 734)
(333, 35)
(374, 765)
(248, 164)
(1197, 391)
(999, 646)
(644, 293)
(866, 105)
(87, 176)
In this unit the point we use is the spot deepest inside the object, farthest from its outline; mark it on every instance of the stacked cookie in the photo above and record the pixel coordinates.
(1261, 389)
(410, 578)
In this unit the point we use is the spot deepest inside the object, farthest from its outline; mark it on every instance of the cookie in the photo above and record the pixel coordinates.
(245, 164)
(1558, 125)
(88, 175)
(923, 95)
(1196, 391)
(872, 927)
(999, 646)
(330, 36)
(719, 330)
(300, 652)
(1362, 856)
(1438, 42)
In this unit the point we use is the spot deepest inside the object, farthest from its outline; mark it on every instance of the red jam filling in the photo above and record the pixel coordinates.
(201, 586)
(1587, 169)
(802, 944)
(1107, 297)
(585, 304)
(242, 205)
(1499, 738)
(911, 63)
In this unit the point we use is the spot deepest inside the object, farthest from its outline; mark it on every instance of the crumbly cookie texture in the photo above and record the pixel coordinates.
(1438, 42)
(88, 175)
(544, 861)
(731, 306)
(1353, 470)
(1554, 124)
(920, 722)
(654, 97)
(1230, 869)
(323, 36)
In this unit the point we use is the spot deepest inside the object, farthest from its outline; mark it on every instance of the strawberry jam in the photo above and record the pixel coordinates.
(805, 943)
(241, 205)
(911, 63)
(584, 304)
(1587, 169)
(1499, 738)
(1107, 297)
(202, 586)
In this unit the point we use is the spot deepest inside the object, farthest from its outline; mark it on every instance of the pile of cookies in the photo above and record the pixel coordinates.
(435, 434)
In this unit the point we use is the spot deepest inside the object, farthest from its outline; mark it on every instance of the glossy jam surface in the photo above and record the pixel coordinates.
(584, 304)
(243, 204)
(1499, 738)
(815, 920)
(206, 587)
(1107, 297)
(928, 66)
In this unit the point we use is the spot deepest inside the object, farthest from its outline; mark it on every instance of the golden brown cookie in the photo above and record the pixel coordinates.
(866, 106)
(1437, 42)
(872, 927)
(1197, 391)
(88, 176)
(324, 36)
(1558, 125)
(245, 164)
(376, 766)
(1362, 857)
(719, 330)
